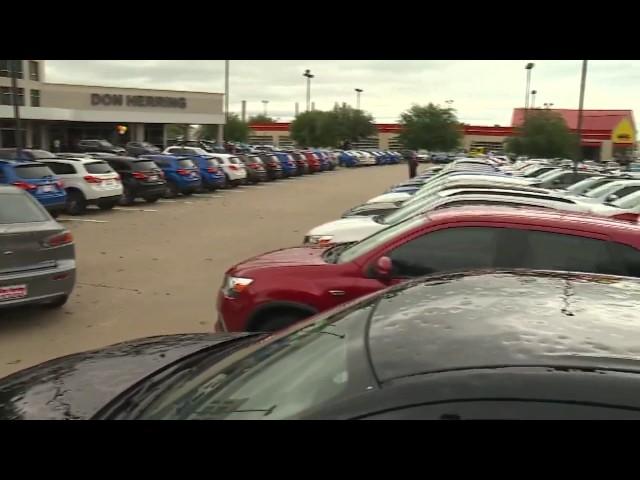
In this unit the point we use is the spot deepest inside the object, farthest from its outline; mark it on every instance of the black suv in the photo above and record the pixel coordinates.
(140, 178)
(272, 165)
(141, 148)
(99, 146)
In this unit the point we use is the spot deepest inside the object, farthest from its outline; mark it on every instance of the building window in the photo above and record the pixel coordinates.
(34, 74)
(6, 96)
(7, 65)
(35, 98)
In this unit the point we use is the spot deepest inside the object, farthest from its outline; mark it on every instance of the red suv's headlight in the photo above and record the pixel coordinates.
(233, 286)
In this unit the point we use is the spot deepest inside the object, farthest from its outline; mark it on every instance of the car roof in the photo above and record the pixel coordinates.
(619, 230)
(20, 162)
(488, 319)
(73, 160)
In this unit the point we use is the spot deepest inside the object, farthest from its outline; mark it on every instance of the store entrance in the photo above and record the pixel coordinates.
(71, 133)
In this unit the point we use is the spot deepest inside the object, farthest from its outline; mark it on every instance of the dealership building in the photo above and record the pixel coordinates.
(69, 113)
(605, 133)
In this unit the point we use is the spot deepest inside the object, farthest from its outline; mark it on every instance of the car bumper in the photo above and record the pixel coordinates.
(42, 285)
(156, 189)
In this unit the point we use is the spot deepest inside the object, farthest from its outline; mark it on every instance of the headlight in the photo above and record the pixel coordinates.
(319, 239)
(233, 286)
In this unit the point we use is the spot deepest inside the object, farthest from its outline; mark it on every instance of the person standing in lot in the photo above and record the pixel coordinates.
(413, 164)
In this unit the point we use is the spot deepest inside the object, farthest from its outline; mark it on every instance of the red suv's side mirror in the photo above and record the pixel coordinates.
(383, 268)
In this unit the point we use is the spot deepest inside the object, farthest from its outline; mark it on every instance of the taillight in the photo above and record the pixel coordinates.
(139, 175)
(58, 240)
(92, 179)
(233, 167)
(182, 171)
(59, 184)
(25, 185)
(212, 170)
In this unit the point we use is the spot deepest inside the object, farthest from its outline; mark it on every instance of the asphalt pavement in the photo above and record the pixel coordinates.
(156, 269)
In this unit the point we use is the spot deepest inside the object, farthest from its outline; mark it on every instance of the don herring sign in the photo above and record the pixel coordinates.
(113, 100)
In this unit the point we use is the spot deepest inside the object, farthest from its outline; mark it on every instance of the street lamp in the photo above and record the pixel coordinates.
(533, 98)
(358, 92)
(528, 68)
(448, 102)
(548, 105)
(265, 102)
(583, 80)
(307, 73)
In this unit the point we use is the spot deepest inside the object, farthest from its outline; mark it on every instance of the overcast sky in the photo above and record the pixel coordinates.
(484, 92)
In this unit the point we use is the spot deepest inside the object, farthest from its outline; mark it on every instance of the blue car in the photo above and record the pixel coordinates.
(346, 159)
(325, 164)
(181, 174)
(289, 165)
(210, 172)
(37, 179)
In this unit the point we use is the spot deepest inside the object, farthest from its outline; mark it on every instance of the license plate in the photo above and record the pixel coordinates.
(13, 292)
(46, 188)
(109, 183)
(153, 178)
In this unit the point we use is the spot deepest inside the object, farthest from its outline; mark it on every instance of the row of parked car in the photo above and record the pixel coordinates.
(558, 218)
(501, 302)
(71, 181)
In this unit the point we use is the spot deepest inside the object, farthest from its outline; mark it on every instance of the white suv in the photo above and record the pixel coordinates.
(87, 181)
(232, 167)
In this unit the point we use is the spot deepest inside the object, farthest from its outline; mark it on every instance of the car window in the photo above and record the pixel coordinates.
(144, 166)
(603, 190)
(211, 162)
(626, 191)
(234, 160)
(445, 250)
(60, 168)
(630, 201)
(588, 184)
(20, 209)
(286, 378)
(185, 163)
(98, 167)
(557, 251)
(32, 171)
(122, 166)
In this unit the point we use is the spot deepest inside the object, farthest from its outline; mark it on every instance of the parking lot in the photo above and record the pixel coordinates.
(155, 269)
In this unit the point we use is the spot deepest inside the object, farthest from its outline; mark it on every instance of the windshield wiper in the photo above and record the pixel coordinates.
(331, 255)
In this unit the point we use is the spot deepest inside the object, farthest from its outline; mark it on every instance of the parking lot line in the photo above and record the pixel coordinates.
(167, 201)
(66, 219)
(204, 195)
(127, 209)
(237, 191)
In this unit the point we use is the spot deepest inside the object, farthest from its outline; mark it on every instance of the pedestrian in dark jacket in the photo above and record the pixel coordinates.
(413, 164)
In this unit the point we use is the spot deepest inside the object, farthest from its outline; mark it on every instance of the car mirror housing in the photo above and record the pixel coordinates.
(383, 268)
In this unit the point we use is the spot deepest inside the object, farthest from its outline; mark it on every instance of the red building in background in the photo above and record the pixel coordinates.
(605, 133)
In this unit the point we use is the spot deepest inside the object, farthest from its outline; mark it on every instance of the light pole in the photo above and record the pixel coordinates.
(449, 103)
(265, 103)
(307, 73)
(580, 106)
(16, 107)
(548, 105)
(528, 67)
(358, 92)
(533, 98)
(226, 100)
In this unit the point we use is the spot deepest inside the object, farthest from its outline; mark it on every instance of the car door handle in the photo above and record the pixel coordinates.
(337, 293)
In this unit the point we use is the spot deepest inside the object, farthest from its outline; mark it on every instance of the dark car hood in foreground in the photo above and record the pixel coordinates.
(77, 386)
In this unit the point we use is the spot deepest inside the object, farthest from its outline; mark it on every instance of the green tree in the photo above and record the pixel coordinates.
(352, 124)
(430, 127)
(261, 119)
(545, 134)
(315, 129)
(235, 130)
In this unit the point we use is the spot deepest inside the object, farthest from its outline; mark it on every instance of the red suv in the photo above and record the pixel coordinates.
(276, 289)
(313, 161)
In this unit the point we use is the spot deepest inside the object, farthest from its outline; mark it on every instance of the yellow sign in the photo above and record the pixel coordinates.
(623, 133)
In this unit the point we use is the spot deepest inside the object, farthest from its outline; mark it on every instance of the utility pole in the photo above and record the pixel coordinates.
(528, 67)
(265, 103)
(244, 110)
(16, 107)
(226, 91)
(297, 109)
(580, 114)
(307, 73)
(358, 92)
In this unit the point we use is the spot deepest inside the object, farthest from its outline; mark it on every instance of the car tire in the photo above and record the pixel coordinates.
(171, 190)
(76, 203)
(279, 319)
(55, 213)
(127, 197)
(107, 205)
(57, 302)
(151, 199)
(187, 193)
